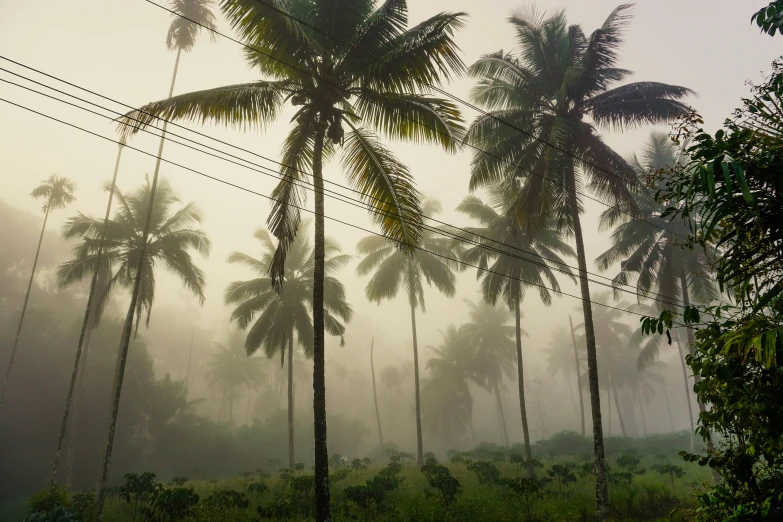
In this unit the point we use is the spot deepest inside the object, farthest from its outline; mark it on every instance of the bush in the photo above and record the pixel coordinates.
(48, 499)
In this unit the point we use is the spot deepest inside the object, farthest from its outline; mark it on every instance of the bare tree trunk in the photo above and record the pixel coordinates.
(687, 394)
(222, 403)
(77, 398)
(122, 357)
(85, 322)
(689, 331)
(291, 449)
(641, 411)
(601, 486)
(619, 411)
(190, 358)
(609, 412)
(375, 393)
(504, 431)
(668, 407)
(521, 384)
(24, 309)
(472, 433)
(323, 510)
(419, 442)
(578, 376)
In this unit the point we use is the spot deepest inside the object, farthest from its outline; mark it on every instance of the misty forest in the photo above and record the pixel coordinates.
(517, 264)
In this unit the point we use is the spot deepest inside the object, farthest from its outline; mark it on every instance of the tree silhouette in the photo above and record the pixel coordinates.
(276, 319)
(555, 93)
(57, 192)
(231, 367)
(396, 268)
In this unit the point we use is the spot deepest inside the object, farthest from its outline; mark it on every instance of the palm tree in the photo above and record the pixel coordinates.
(502, 273)
(231, 367)
(57, 192)
(447, 398)
(139, 238)
(649, 246)
(563, 358)
(397, 268)
(545, 105)
(92, 317)
(277, 319)
(493, 339)
(371, 73)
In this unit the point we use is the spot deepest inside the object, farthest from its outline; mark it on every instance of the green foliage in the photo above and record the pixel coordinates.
(137, 489)
(58, 514)
(487, 472)
(563, 474)
(372, 494)
(257, 489)
(84, 505)
(530, 489)
(672, 470)
(48, 499)
(170, 505)
(770, 18)
(223, 502)
(178, 481)
(440, 478)
(565, 443)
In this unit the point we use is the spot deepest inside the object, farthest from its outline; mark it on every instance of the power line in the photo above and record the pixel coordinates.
(348, 200)
(271, 198)
(413, 120)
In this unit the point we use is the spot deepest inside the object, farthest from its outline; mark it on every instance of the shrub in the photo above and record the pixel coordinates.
(48, 499)
(487, 472)
(170, 505)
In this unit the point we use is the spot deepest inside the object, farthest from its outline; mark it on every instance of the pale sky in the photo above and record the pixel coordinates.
(117, 48)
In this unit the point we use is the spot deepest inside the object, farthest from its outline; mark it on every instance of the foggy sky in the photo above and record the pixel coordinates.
(117, 48)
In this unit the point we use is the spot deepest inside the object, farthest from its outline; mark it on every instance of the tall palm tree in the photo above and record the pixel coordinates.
(648, 246)
(448, 402)
(277, 320)
(354, 66)
(396, 268)
(57, 192)
(563, 358)
(545, 105)
(92, 317)
(139, 238)
(375, 393)
(493, 339)
(503, 275)
(231, 367)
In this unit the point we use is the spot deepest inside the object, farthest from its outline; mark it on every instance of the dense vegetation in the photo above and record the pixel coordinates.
(697, 240)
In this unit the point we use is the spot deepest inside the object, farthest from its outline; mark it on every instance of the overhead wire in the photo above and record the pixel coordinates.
(331, 218)
(412, 120)
(341, 197)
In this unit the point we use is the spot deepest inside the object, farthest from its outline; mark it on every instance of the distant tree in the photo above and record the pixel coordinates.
(278, 319)
(57, 193)
(496, 244)
(231, 367)
(397, 268)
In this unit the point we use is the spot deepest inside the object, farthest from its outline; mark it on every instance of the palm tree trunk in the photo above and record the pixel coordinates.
(24, 309)
(249, 395)
(291, 455)
(412, 298)
(222, 403)
(502, 416)
(521, 384)
(668, 408)
(85, 322)
(641, 411)
(689, 331)
(601, 487)
(77, 398)
(687, 393)
(375, 393)
(472, 433)
(609, 412)
(578, 375)
(619, 411)
(122, 357)
(323, 510)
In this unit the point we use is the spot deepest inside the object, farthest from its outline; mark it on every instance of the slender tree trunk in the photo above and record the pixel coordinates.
(601, 487)
(641, 412)
(88, 312)
(689, 331)
(190, 358)
(291, 455)
(231, 405)
(578, 375)
(77, 399)
(687, 394)
(412, 298)
(521, 384)
(122, 356)
(222, 404)
(323, 510)
(619, 411)
(24, 310)
(472, 433)
(609, 412)
(375, 393)
(504, 430)
(668, 407)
